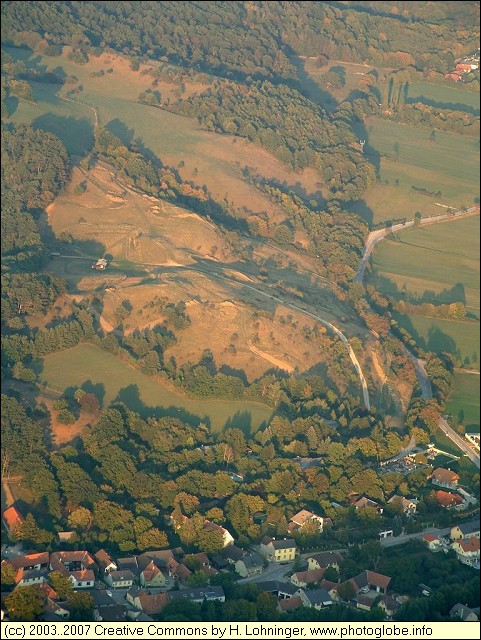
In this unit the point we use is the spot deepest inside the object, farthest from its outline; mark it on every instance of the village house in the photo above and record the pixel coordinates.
(279, 589)
(227, 537)
(290, 604)
(76, 565)
(363, 502)
(278, 550)
(31, 561)
(57, 609)
(449, 500)
(151, 576)
(121, 579)
(464, 613)
(150, 604)
(299, 520)
(467, 551)
(105, 562)
(31, 577)
(433, 542)
(445, 478)
(251, 564)
(230, 555)
(408, 506)
(205, 565)
(331, 588)
(324, 559)
(129, 563)
(465, 530)
(199, 594)
(390, 605)
(12, 520)
(179, 571)
(312, 576)
(316, 598)
(112, 613)
(372, 581)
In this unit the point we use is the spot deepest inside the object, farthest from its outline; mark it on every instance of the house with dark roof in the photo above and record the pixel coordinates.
(251, 564)
(279, 589)
(232, 554)
(464, 613)
(129, 563)
(199, 594)
(445, 478)
(324, 559)
(112, 613)
(315, 598)
(465, 530)
(283, 550)
(121, 579)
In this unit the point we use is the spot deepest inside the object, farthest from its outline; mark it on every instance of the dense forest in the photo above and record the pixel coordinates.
(253, 39)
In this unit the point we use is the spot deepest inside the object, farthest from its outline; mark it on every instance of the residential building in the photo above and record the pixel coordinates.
(465, 530)
(57, 609)
(152, 576)
(105, 562)
(445, 478)
(290, 604)
(312, 576)
(464, 613)
(112, 613)
(278, 550)
(390, 604)
(149, 604)
(449, 500)
(372, 581)
(31, 577)
(316, 598)
(67, 561)
(31, 561)
(122, 579)
(226, 535)
(250, 565)
(129, 563)
(231, 554)
(408, 506)
(433, 542)
(467, 550)
(299, 520)
(281, 590)
(324, 559)
(83, 579)
(363, 502)
(199, 594)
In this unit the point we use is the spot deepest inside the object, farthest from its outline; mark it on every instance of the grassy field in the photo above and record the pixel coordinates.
(205, 158)
(435, 258)
(463, 403)
(115, 380)
(432, 258)
(450, 164)
(443, 94)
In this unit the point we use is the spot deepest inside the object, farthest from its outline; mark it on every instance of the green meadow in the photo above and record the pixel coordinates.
(463, 402)
(444, 95)
(92, 368)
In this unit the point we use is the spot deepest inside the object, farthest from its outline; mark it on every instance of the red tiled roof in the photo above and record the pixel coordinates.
(30, 560)
(447, 499)
(428, 537)
(469, 545)
(81, 576)
(12, 519)
(445, 475)
(152, 604)
(289, 604)
(378, 579)
(312, 575)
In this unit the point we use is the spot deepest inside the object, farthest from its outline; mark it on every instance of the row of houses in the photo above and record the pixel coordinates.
(463, 66)
(464, 541)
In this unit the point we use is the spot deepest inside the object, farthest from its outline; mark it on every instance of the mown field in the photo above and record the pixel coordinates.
(450, 165)
(446, 96)
(435, 258)
(463, 403)
(113, 379)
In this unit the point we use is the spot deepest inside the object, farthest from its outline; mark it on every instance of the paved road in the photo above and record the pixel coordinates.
(272, 572)
(392, 542)
(421, 373)
(459, 441)
(376, 236)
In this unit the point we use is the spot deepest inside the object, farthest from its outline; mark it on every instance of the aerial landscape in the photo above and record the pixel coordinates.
(240, 311)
